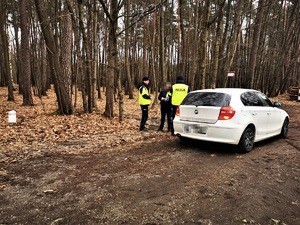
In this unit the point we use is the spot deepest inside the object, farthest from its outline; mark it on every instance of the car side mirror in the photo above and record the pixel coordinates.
(276, 104)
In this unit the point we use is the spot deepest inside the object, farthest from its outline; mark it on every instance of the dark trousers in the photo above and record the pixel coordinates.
(144, 116)
(173, 109)
(165, 110)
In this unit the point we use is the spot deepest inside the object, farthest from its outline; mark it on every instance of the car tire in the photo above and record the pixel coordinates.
(247, 139)
(285, 128)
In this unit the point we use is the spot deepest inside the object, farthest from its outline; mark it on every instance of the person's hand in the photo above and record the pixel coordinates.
(163, 99)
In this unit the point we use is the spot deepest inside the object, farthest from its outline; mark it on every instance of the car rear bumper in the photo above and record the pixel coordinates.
(222, 131)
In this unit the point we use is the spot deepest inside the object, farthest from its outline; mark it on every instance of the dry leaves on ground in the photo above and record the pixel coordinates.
(39, 131)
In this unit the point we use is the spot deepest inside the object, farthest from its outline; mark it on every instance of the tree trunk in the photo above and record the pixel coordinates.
(15, 23)
(44, 74)
(181, 39)
(203, 44)
(79, 57)
(233, 43)
(85, 58)
(162, 44)
(66, 50)
(25, 54)
(127, 51)
(110, 77)
(153, 61)
(255, 42)
(95, 53)
(5, 47)
(218, 36)
(112, 55)
(195, 48)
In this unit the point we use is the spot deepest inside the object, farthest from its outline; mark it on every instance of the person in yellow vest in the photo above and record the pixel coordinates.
(178, 92)
(144, 101)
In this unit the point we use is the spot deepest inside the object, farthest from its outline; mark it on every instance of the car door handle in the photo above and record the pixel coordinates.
(254, 113)
(268, 113)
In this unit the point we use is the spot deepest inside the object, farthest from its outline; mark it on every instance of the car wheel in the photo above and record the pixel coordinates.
(285, 128)
(247, 139)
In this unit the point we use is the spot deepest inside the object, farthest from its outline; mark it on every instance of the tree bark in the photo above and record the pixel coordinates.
(86, 55)
(153, 61)
(25, 54)
(232, 44)
(16, 25)
(195, 48)
(162, 44)
(95, 53)
(255, 42)
(181, 40)
(127, 51)
(218, 36)
(66, 50)
(203, 47)
(112, 16)
(5, 47)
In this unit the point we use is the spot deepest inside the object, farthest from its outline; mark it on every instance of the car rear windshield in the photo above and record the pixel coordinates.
(207, 99)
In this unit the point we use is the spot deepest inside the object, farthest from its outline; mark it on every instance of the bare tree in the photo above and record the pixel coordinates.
(127, 51)
(63, 99)
(216, 50)
(66, 49)
(203, 46)
(25, 54)
(112, 16)
(5, 48)
(255, 41)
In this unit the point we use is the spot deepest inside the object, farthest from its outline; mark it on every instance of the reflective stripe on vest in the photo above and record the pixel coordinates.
(180, 91)
(143, 101)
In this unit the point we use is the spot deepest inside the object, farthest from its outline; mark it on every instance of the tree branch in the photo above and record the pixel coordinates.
(106, 11)
(146, 13)
(120, 4)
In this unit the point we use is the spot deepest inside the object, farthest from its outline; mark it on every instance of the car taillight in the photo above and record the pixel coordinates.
(178, 111)
(226, 113)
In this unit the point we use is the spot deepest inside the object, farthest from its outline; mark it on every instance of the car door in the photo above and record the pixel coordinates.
(259, 114)
(274, 119)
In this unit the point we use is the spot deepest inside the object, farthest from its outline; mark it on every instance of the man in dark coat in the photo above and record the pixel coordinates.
(165, 106)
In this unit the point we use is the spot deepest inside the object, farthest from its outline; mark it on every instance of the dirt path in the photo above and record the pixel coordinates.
(159, 182)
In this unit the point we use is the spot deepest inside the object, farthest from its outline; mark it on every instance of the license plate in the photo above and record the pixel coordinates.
(197, 129)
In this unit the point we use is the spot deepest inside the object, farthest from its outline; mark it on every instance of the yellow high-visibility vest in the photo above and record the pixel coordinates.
(143, 101)
(180, 91)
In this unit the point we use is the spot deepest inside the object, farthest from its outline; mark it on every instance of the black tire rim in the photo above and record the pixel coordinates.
(248, 139)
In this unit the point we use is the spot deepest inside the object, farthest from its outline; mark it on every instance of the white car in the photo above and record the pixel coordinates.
(230, 115)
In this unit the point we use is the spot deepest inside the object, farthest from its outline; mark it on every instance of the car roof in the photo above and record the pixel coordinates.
(226, 90)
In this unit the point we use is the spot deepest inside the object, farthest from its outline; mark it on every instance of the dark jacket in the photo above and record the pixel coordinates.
(164, 94)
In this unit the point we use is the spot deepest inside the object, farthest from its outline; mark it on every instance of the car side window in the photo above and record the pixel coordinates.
(264, 100)
(250, 99)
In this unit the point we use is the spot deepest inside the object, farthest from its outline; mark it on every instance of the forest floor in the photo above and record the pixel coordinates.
(86, 169)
